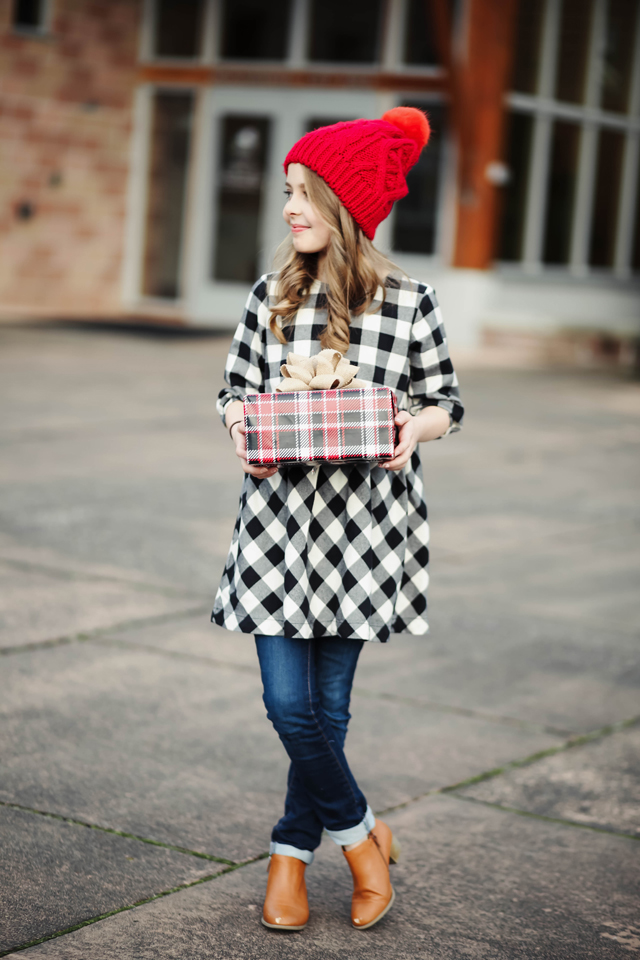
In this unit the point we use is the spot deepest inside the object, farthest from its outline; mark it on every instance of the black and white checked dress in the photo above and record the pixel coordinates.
(337, 551)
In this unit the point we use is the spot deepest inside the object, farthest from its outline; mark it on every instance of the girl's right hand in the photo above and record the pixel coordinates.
(238, 435)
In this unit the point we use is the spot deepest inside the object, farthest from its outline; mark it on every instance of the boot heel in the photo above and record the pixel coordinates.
(394, 854)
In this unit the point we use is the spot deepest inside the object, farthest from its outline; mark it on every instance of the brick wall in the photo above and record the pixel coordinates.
(65, 126)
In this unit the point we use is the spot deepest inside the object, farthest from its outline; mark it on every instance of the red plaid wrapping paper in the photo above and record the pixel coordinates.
(320, 425)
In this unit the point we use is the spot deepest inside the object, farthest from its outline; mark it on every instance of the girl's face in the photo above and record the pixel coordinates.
(309, 232)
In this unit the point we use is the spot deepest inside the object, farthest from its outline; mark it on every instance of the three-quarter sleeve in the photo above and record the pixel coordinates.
(244, 371)
(433, 381)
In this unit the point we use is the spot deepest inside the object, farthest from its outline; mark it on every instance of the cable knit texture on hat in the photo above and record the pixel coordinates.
(365, 162)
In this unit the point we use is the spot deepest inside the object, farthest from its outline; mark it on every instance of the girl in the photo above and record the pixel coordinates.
(325, 558)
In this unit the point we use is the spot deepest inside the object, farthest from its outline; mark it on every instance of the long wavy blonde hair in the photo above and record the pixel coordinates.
(353, 270)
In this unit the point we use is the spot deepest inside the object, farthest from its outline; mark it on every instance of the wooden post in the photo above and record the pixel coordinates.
(485, 66)
(478, 78)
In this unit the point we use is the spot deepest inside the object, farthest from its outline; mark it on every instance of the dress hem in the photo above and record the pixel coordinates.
(417, 626)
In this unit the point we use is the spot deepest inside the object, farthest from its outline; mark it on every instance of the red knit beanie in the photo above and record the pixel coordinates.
(365, 162)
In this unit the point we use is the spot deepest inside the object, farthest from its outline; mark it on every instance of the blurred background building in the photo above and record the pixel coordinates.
(141, 144)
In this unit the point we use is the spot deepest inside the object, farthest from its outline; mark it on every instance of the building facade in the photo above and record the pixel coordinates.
(141, 144)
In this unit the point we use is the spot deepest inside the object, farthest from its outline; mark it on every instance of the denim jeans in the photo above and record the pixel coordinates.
(307, 688)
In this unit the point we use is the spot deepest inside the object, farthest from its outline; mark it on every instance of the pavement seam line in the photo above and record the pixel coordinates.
(357, 691)
(84, 635)
(119, 833)
(142, 586)
(176, 654)
(132, 906)
(463, 712)
(577, 741)
(564, 821)
(581, 740)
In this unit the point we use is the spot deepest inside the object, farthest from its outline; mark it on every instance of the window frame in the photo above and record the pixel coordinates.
(393, 28)
(43, 29)
(210, 29)
(138, 195)
(591, 119)
(153, 92)
(445, 192)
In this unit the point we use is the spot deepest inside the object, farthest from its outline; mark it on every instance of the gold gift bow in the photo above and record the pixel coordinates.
(328, 370)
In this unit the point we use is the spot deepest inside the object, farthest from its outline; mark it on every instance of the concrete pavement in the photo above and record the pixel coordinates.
(139, 776)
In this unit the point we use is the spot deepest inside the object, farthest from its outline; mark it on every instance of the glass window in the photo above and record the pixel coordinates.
(28, 14)
(618, 55)
(573, 50)
(526, 58)
(416, 215)
(606, 197)
(420, 43)
(255, 30)
(345, 31)
(572, 34)
(514, 196)
(170, 139)
(561, 192)
(178, 28)
(244, 143)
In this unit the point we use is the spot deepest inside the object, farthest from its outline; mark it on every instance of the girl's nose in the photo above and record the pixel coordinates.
(291, 207)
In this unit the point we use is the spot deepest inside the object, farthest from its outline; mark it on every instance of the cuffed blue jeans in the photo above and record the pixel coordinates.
(307, 689)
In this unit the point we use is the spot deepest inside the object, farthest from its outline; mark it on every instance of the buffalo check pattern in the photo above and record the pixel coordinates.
(320, 425)
(331, 549)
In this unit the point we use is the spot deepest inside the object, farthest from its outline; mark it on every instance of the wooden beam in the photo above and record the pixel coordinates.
(197, 75)
(486, 65)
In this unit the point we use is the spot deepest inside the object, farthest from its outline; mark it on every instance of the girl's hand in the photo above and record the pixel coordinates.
(238, 435)
(408, 440)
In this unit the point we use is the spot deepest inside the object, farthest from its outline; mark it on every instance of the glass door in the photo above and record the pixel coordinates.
(238, 224)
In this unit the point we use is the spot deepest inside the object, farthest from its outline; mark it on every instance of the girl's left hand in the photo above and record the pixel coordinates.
(407, 442)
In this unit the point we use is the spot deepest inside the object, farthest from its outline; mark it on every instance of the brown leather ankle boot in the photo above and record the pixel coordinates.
(285, 905)
(373, 894)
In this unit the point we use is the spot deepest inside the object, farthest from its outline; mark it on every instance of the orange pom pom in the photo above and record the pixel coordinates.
(412, 122)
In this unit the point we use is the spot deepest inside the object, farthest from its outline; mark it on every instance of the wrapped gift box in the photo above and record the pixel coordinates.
(334, 426)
